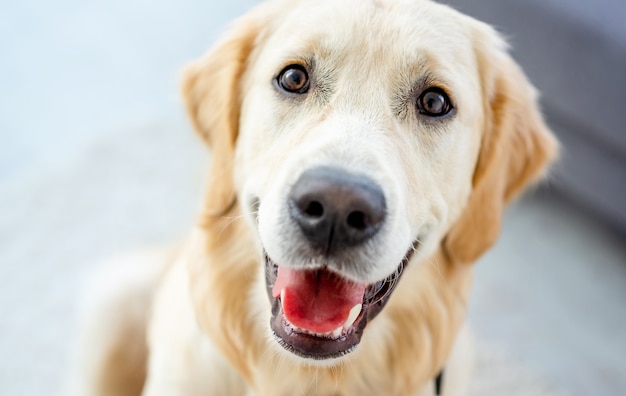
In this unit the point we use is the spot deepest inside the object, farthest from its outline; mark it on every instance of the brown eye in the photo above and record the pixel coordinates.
(433, 102)
(294, 78)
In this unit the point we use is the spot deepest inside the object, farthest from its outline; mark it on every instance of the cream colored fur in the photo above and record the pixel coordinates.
(445, 181)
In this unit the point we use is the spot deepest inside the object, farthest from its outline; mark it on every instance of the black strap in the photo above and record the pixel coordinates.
(438, 383)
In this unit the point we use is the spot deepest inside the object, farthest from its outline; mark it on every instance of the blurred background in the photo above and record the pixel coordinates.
(97, 159)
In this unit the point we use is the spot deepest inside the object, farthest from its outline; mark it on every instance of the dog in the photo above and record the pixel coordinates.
(362, 153)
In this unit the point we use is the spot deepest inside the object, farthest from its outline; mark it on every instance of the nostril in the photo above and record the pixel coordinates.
(314, 209)
(356, 220)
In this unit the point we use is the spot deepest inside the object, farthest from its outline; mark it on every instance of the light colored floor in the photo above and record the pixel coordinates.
(552, 292)
(96, 159)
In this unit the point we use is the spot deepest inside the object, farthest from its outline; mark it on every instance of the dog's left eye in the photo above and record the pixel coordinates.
(434, 102)
(294, 79)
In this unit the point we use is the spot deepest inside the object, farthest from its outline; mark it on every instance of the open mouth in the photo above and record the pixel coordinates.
(318, 314)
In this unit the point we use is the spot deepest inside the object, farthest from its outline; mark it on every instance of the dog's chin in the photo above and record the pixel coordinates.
(333, 344)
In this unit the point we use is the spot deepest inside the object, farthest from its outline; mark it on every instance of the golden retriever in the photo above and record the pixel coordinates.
(362, 154)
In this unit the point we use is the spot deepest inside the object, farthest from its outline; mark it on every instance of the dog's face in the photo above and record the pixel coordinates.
(359, 142)
(356, 149)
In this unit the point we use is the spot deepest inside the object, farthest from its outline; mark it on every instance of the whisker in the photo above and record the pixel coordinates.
(436, 264)
(232, 220)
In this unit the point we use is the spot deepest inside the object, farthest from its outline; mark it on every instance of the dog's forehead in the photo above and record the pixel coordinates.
(359, 28)
(389, 41)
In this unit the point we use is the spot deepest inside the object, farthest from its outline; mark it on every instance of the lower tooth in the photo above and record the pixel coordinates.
(337, 332)
(354, 313)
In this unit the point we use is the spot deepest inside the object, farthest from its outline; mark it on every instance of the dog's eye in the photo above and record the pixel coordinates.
(294, 78)
(434, 102)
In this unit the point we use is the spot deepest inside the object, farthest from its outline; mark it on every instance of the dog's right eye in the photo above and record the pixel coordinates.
(294, 79)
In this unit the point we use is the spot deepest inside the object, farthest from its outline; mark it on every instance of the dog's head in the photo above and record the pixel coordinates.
(357, 138)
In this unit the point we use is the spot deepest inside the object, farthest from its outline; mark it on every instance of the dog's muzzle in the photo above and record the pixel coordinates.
(317, 312)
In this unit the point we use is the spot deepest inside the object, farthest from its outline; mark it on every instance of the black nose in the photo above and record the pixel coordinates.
(335, 208)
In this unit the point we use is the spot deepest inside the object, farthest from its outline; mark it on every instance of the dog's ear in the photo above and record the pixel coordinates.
(212, 94)
(516, 148)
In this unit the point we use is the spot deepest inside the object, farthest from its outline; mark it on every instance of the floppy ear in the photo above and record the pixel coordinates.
(515, 150)
(212, 94)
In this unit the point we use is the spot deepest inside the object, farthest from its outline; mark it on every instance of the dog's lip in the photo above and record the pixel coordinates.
(320, 347)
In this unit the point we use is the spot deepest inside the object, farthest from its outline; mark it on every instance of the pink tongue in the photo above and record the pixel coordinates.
(318, 301)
